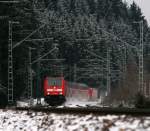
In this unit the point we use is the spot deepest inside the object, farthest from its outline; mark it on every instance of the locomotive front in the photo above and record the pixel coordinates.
(54, 90)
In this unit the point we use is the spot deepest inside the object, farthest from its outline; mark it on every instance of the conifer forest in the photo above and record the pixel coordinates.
(104, 44)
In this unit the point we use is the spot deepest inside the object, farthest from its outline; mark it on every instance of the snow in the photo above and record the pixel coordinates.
(11, 120)
(70, 102)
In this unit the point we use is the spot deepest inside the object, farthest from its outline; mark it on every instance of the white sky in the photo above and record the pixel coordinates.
(145, 7)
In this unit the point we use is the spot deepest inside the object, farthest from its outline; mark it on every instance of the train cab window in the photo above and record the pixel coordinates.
(54, 82)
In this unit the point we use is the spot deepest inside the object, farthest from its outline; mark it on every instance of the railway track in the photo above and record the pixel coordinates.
(89, 110)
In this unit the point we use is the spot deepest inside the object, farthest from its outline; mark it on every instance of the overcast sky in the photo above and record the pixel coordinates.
(145, 7)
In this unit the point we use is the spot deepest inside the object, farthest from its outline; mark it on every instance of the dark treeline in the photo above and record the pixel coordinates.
(77, 26)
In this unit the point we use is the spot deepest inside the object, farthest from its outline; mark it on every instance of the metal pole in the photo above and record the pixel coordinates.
(108, 71)
(10, 66)
(75, 72)
(141, 58)
(38, 94)
(102, 79)
(124, 69)
(125, 61)
(30, 75)
(30, 79)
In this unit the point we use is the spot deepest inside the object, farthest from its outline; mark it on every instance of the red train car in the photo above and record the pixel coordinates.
(54, 90)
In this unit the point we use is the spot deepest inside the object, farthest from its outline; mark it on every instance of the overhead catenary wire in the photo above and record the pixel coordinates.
(26, 38)
(55, 48)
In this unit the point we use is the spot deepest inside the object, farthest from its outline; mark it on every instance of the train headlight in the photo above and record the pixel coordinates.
(59, 89)
(50, 89)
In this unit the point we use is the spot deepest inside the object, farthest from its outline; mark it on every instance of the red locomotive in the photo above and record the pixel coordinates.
(54, 90)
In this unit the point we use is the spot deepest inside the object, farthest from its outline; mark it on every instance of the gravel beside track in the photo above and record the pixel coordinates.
(23, 120)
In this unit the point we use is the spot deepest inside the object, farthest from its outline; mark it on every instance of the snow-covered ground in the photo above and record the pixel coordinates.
(70, 102)
(37, 121)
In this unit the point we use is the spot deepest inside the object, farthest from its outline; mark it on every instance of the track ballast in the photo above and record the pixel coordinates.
(89, 110)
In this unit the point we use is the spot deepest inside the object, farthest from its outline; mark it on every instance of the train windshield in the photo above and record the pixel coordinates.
(54, 81)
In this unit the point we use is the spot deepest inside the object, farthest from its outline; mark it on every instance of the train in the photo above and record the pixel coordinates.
(56, 89)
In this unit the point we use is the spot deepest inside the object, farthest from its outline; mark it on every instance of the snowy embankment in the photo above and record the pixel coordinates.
(70, 102)
(38, 121)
